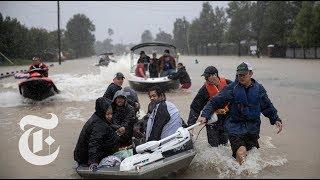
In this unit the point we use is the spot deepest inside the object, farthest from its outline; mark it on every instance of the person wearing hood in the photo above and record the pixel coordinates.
(114, 86)
(182, 75)
(123, 117)
(97, 139)
(132, 98)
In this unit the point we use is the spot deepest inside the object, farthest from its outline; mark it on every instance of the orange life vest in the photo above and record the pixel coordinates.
(213, 90)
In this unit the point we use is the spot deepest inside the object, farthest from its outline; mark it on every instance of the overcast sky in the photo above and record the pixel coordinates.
(128, 19)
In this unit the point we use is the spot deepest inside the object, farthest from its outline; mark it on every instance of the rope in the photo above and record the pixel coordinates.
(199, 133)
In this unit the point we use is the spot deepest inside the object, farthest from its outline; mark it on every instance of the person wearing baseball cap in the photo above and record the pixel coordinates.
(119, 75)
(114, 86)
(214, 83)
(247, 99)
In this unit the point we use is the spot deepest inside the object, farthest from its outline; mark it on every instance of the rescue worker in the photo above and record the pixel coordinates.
(214, 83)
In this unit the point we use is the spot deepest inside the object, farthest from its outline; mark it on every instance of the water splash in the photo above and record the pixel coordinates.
(74, 87)
(10, 99)
(220, 160)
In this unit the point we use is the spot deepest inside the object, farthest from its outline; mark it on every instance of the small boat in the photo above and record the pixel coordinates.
(152, 160)
(142, 85)
(37, 87)
(167, 167)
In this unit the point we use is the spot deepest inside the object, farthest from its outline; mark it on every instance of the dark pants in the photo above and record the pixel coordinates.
(216, 134)
(154, 74)
(247, 140)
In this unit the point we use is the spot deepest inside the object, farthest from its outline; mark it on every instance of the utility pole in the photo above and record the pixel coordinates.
(59, 41)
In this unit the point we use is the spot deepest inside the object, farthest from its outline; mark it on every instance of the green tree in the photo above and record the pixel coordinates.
(146, 36)
(13, 38)
(38, 40)
(276, 28)
(53, 40)
(220, 25)
(180, 34)
(316, 24)
(302, 31)
(79, 35)
(104, 46)
(238, 12)
(164, 37)
(194, 35)
(206, 21)
(257, 15)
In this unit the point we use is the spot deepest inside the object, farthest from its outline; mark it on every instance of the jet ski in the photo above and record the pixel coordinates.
(21, 75)
(154, 159)
(104, 59)
(37, 87)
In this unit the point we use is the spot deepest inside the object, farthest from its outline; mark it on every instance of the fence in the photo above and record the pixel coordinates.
(310, 53)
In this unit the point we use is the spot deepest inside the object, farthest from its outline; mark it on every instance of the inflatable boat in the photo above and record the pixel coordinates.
(165, 158)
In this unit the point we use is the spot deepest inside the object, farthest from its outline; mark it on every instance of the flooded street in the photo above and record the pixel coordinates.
(292, 85)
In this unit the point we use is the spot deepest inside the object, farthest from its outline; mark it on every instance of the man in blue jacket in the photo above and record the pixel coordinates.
(247, 100)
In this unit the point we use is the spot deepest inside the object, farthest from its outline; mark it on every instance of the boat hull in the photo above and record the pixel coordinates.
(142, 85)
(37, 88)
(174, 164)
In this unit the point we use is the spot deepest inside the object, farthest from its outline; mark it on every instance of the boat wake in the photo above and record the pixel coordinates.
(73, 87)
(219, 159)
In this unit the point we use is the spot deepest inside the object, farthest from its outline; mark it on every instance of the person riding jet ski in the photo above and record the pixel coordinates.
(38, 66)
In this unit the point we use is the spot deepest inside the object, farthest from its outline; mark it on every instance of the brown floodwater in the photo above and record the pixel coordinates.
(292, 85)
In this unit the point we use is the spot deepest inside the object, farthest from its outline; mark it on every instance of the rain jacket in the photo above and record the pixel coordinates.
(154, 67)
(199, 102)
(97, 139)
(123, 116)
(111, 90)
(246, 105)
(182, 75)
(163, 121)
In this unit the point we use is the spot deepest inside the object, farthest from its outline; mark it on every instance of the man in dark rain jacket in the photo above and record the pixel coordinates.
(97, 139)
